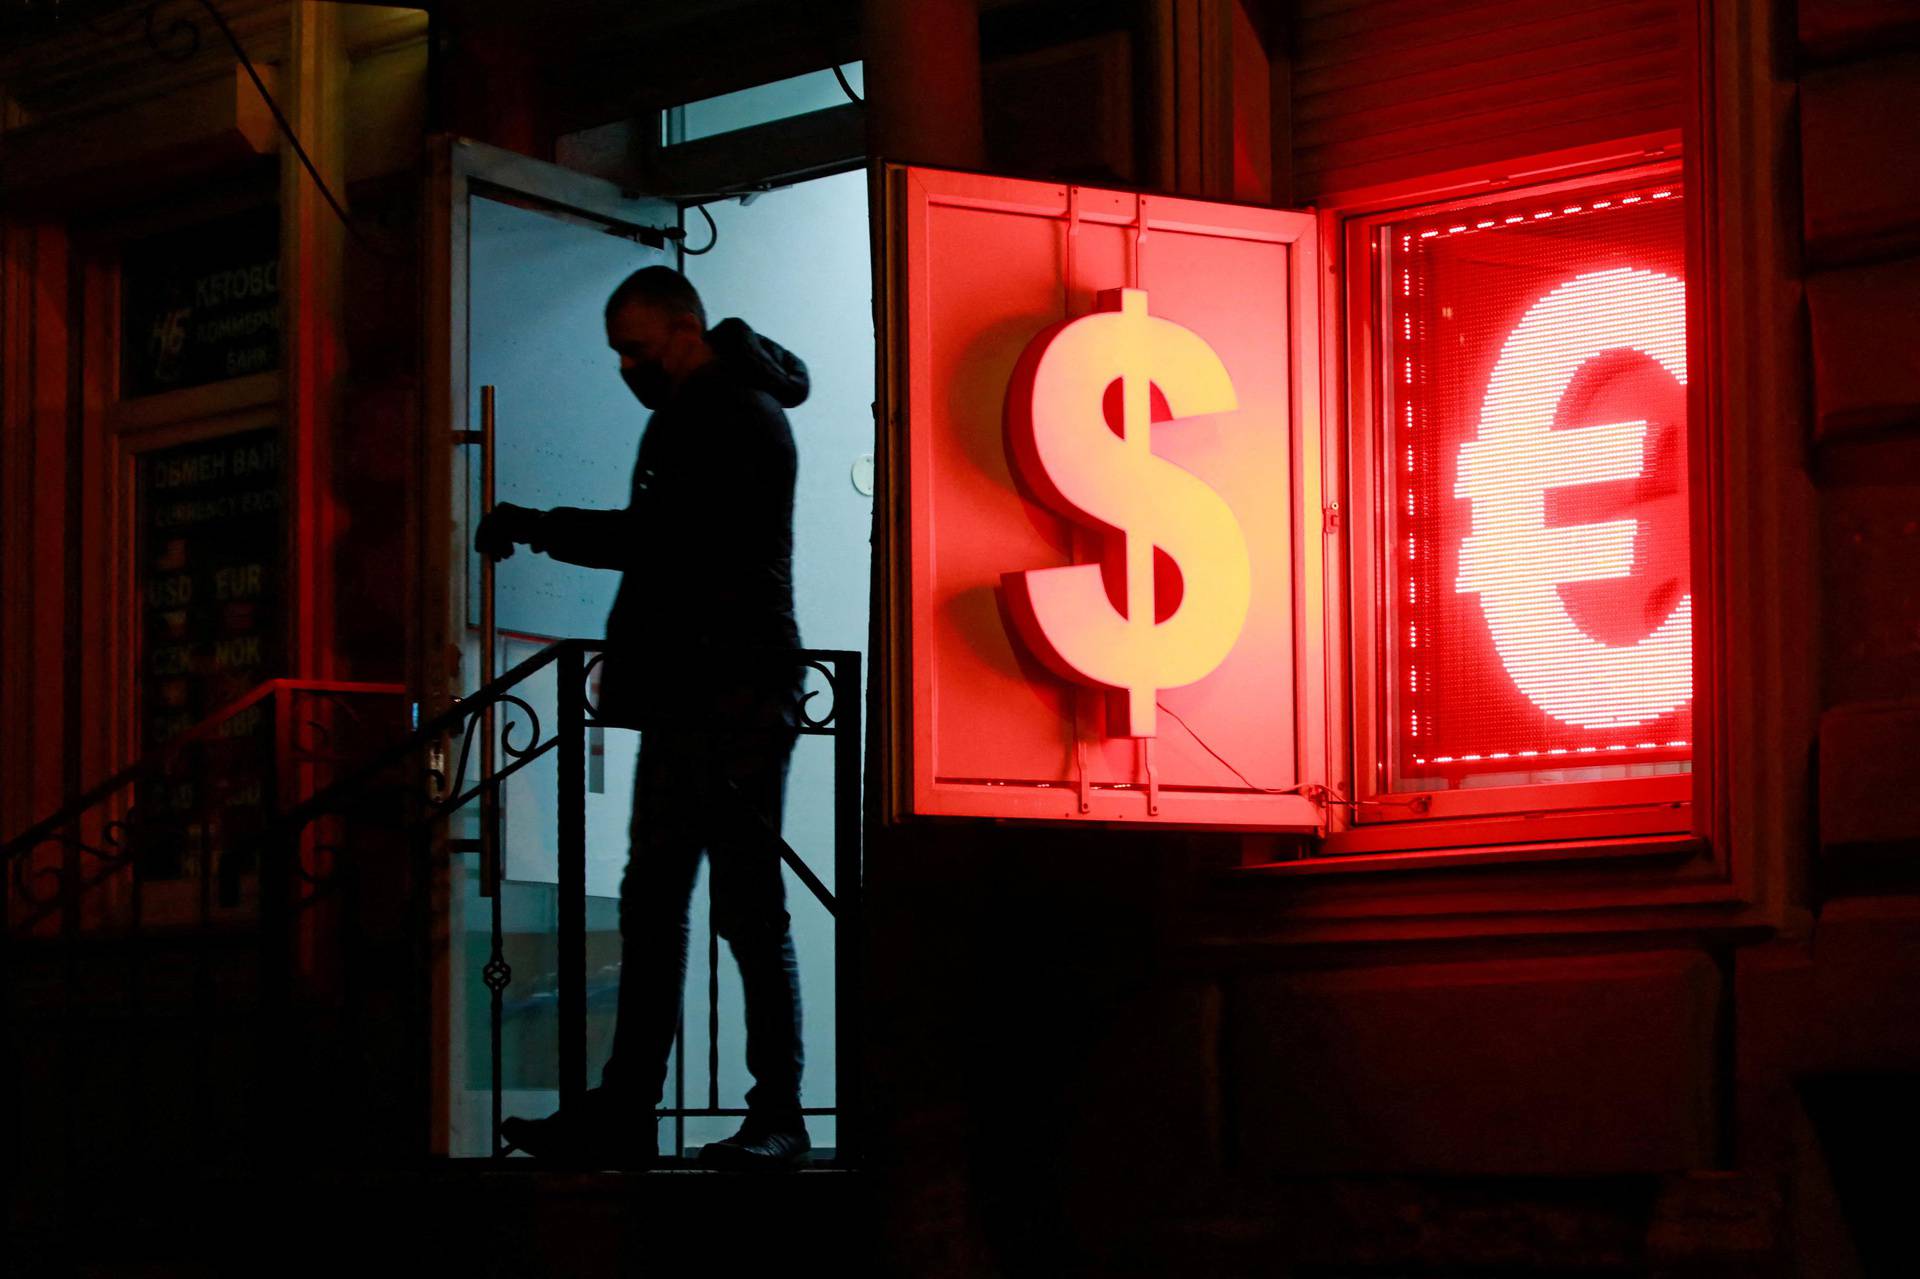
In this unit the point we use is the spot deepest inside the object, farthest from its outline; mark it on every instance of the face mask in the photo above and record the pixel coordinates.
(649, 383)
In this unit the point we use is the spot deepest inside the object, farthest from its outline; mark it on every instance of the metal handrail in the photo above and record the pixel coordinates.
(463, 711)
(427, 734)
(150, 763)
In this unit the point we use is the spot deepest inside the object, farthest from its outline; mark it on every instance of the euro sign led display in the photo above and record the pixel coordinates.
(1539, 609)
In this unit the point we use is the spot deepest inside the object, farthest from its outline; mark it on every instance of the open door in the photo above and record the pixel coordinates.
(523, 256)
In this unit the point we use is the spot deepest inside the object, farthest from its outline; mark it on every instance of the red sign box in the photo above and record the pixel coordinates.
(1533, 469)
(1101, 442)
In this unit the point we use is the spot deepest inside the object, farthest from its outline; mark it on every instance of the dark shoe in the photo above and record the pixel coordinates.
(760, 1146)
(603, 1132)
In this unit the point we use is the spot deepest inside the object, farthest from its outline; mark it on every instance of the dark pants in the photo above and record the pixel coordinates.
(694, 793)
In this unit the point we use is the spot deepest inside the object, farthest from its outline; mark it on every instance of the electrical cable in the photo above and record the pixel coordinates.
(713, 236)
(286, 129)
(1313, 792)
(1202, 742)
(846, 88)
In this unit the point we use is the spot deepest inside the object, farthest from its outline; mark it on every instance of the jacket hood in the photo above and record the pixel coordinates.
(759, 363)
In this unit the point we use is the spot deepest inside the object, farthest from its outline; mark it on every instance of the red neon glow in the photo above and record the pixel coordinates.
(1080, 410)
(988, 726)
(1539, 617)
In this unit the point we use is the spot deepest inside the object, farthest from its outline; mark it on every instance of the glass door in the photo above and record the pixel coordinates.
(531, 253)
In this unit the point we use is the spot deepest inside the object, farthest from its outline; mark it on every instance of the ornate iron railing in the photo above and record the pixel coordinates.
(840, 720)
(172, 808)
(345, 860)
(139, 903)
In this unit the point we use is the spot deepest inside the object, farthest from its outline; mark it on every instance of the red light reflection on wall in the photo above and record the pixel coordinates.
(1540, 615)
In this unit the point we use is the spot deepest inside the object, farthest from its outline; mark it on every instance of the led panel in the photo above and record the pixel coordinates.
(1538, 611)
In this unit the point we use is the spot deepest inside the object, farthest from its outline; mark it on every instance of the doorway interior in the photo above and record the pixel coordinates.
(795, 263)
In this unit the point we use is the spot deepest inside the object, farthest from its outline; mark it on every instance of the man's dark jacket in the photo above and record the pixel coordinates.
(704, 546)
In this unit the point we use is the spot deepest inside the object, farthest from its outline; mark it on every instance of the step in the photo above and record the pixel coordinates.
(467, 1217)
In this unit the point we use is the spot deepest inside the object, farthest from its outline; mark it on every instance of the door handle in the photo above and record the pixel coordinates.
(489, 841)
(489, 637)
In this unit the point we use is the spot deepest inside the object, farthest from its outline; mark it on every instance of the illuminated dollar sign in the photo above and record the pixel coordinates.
(1096, 466)
(1513, 560)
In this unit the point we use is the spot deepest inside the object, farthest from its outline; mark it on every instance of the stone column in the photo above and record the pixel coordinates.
(923, 81)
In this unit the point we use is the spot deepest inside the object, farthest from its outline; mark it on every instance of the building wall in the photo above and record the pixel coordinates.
(1098, 1052)
(1101, 1053)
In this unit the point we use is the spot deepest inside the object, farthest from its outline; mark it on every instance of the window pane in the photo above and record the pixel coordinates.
(1539, 614)
(762, 104)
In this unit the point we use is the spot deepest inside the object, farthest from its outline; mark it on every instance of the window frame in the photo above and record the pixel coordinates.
(1616, 817)
(1741, 874)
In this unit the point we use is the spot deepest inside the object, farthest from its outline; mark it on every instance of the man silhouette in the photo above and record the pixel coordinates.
(705, 550)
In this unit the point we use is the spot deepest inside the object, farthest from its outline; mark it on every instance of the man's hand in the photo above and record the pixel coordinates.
(503, 526)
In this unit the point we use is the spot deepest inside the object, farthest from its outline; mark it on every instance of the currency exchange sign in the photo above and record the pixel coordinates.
(1105, 577)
